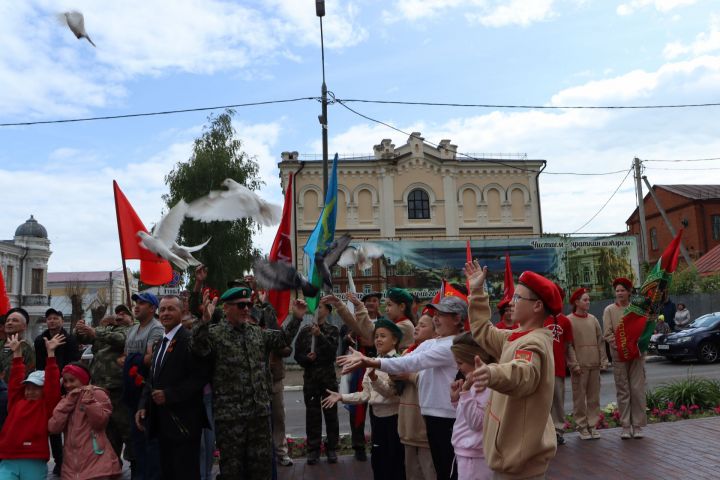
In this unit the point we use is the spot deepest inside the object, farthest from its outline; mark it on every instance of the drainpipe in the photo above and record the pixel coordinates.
(295, 175)
(537, 189)
(22, 270)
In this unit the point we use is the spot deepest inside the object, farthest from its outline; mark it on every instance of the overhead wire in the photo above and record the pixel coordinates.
(608, 201)
(533, 107)
(675, 160)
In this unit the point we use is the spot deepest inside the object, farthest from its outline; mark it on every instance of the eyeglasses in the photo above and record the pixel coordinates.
(517, 297)
(241, 305)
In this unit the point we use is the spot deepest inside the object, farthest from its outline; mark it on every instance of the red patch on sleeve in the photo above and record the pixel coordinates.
(526, 355)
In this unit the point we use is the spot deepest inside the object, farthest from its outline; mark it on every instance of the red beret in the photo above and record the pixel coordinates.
(503, 303)
(546, 290)
(577, 294)
(624, 282)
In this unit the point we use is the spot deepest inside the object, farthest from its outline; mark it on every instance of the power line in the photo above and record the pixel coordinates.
(685, 160)
(151, 114)
(392, 127)
(683, 169)
(605, 204)
(534, 107)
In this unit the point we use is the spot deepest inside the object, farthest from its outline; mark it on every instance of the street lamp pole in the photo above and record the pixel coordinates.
(323, 118)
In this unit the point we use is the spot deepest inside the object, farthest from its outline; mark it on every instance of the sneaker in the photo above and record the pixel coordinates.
(585, 435)
(626, 433)
(313, 458)
(285, 461)
(595, 434)
(638, 433)
(361, 455)
(332, 456)
(560, 439)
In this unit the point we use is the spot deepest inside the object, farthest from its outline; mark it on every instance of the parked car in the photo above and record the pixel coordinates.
(700, 340)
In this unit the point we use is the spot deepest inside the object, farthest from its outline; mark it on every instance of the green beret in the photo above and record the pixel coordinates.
(394, 329)
(400, 295)
(236, 293)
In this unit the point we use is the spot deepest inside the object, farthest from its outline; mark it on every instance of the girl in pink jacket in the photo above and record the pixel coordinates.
(83, 415)
(467, 436)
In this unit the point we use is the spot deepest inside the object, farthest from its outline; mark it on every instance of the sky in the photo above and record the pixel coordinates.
(164, 55)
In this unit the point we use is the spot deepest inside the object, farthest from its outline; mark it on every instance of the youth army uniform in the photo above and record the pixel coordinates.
(107, 346)
(241, 394)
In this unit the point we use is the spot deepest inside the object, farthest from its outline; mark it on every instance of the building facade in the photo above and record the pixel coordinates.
(696, 208)
(417, 191)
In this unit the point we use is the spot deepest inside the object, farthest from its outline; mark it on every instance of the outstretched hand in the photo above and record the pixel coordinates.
(52, 344)
(351, 361)
(331, 399)
(481, 375)
(208, 306)
(353, 298)
(13, 343)
(475, 275)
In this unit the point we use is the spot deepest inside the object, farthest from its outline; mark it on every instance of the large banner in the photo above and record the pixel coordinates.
(572, 262)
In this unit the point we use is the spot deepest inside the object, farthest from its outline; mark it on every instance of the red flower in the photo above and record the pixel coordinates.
(139, 380)
(133, 371)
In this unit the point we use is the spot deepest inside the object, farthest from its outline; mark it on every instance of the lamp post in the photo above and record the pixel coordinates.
(320, 12)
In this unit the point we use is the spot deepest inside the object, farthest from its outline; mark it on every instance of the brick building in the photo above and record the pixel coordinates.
(693, 207)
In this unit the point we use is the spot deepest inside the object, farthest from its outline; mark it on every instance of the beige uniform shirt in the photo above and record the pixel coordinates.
(588, 342)
(363, 327)
(519, 436)
(611, 319)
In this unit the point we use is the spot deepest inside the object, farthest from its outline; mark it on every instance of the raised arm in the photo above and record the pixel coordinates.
(483, 331)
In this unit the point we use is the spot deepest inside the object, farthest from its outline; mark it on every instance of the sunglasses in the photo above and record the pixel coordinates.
(241, 305)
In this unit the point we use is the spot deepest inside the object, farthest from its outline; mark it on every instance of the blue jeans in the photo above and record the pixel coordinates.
(23, 469)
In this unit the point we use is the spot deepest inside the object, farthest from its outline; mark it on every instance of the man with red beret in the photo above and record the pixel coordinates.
(505, 309)
(563, 354)
(518, 434)
(585, 372)
(630, 375)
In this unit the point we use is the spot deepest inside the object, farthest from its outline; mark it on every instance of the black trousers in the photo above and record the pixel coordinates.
(180, 460)
(439, 432)
(387, 453)
(357, 432)
(313, 393)
(56, 445)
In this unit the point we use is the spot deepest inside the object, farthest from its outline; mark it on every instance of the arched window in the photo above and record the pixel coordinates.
(418, 204)
(653, 238)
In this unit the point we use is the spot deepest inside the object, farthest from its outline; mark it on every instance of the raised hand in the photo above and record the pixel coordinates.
(299, 309)
(351, 361)
(208, 306)
(331, 399)
(13, 343)
(481, 375)
(52, 344)
(353, 299)
(331, 300)
(455, 388)
(475, 275)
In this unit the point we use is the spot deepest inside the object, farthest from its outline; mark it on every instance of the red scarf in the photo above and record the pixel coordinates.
(411, 348)
(515, 335)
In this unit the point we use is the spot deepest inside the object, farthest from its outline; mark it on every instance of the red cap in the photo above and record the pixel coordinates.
(502, 304)
(544, 289)
(624, 282)
(577, 294)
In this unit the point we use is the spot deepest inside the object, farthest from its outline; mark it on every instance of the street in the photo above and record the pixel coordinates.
(657, 373)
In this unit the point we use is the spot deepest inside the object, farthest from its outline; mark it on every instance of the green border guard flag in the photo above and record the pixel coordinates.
(323, 234)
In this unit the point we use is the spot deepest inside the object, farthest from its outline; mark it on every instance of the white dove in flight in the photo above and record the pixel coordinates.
(361, 256)
(186, 252)
(76, 22)
(235, 203)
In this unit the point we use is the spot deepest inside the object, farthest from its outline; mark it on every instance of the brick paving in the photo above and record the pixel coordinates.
(672, 450)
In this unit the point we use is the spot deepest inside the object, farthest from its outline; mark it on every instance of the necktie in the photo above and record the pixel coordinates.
(161, 353)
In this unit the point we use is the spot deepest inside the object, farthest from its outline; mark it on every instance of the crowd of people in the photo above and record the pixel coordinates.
(179, 380)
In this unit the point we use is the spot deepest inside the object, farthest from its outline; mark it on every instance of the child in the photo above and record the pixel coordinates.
(467, 437)
(379, 391)
(82, 415)
(24, 439)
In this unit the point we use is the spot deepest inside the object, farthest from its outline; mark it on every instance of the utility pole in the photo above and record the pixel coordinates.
(323, 118)
(641, 210)
(683, 250)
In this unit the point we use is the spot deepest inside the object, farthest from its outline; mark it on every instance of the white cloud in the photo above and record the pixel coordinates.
(705, 42)
(489, 13)
(662, 6)
(514, 12)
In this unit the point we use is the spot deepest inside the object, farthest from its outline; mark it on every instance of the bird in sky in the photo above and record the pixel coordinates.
(186, 252)
(235, 203)
(76, 22)
(326, 259)
(281, 276)
(362, 256)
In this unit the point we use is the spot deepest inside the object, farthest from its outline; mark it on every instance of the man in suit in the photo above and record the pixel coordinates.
(171, 406)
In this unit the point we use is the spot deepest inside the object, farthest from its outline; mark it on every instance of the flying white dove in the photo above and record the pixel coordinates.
(361, 256)
(76, 22)
(235, 203)
(162, 239)
(186, 252)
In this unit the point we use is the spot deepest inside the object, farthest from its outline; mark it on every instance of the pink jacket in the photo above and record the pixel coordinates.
(467, 436)
(83, 415)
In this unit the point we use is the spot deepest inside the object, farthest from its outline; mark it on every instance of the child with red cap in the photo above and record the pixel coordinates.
(519, 436)
(82, 415)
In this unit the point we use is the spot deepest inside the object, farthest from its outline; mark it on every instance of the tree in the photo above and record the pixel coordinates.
(217, 155)
(75, 291)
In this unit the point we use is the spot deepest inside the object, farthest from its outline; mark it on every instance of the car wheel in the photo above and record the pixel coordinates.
(708, 352)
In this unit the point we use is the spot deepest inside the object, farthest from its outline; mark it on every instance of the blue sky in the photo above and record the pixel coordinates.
(164, 55)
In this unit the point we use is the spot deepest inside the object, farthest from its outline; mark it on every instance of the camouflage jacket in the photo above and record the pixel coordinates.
(6, 356)
(107, 346)
(326, 345)
(239, 360)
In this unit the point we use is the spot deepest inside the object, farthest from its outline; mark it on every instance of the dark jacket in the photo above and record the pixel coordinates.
(64, 354)
(181, 375)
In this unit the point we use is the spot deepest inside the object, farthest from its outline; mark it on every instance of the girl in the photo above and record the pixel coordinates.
(467, 437)
(380, 392)
(82, 415)
(24, 439)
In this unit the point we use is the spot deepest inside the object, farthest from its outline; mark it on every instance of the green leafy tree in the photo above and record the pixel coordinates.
(217, 155)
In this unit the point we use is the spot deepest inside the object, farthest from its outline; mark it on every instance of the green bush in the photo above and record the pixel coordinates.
(702, 392)
(685, 282)
(654, 400)
(710, 284)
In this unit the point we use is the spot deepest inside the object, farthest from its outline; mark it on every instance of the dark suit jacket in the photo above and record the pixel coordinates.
(182, 376)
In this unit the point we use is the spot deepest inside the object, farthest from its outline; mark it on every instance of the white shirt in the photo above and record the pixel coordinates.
(170, 335)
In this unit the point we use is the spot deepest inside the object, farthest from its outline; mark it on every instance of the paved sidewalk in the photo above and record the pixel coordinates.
(672, 450)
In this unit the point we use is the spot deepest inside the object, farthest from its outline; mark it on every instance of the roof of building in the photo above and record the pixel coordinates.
(82, 276)
(694, 192)
(31, 228)
(709, 263)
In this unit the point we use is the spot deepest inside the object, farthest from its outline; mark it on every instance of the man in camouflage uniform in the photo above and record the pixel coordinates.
(315, 350)
(238, 352)
(16, 322)
(108, 347)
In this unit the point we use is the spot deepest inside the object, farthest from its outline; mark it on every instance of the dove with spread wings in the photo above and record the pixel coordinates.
(362, 256)
(235, 203)
(76, 22)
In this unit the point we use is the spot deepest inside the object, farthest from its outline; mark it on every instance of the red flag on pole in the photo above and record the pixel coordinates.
(153, 269)
(4, 299)
(509, 289)
(282, 251)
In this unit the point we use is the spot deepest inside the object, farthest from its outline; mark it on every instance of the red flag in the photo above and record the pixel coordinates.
(468, 259)
(509, 289)
(4, 299)
(440, 294)
(282, 251)
(671, 254)
(153, 269)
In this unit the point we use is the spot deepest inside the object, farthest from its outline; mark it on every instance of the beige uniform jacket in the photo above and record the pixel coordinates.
(519, 437)
(611, 319)
(363, 327)
(588, 342)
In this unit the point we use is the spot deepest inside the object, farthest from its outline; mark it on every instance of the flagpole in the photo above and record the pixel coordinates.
(122, 250)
